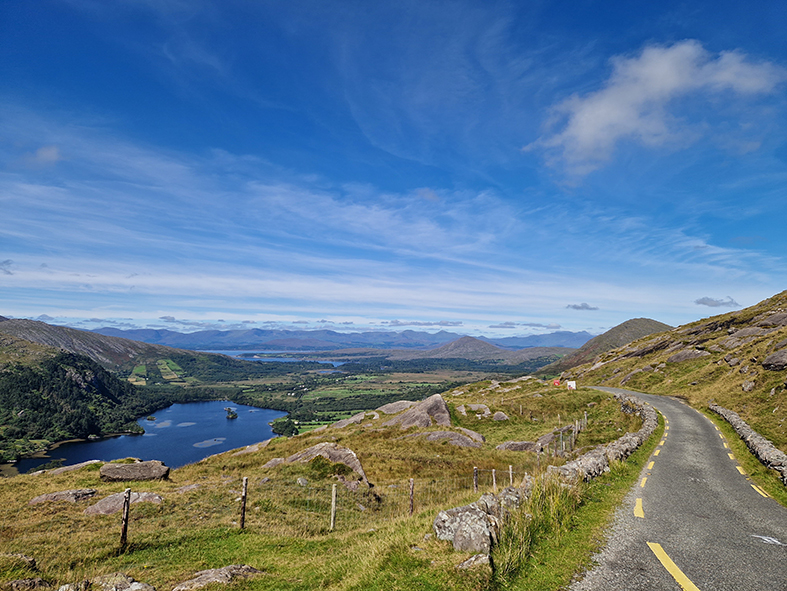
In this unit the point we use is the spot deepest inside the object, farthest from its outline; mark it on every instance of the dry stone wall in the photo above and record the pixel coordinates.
(762, 449)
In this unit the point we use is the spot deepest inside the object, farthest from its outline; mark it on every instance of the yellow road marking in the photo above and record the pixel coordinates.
(644, 480)
(732, 457)
(715, 427)
(721, 435)
(726, 446)
(740, 470)
(655, 453)
(638, 512)
(672, 568)
(661, 442)
(650, 466)
(665, 434)
(759, 490)
(666, 428)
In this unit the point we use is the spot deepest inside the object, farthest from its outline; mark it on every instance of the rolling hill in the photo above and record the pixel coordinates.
(620, 335)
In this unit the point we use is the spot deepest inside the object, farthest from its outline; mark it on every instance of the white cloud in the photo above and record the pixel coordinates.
(637, 102)
(582, 306)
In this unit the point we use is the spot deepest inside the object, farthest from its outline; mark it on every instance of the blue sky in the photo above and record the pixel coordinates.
(497, 168)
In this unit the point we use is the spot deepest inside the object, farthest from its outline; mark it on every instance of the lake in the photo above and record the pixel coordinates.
(180, 434)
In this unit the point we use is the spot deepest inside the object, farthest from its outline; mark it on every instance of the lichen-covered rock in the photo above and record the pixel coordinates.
(472, 435)
(27, 584)
(474, 561)
(776, 361)
(114, 503)
(118, 582)
(482, 410)
(150, 470)
(70, 496)
(687, 355)
(500, 416)
(217, 575)
(520, 446)
(333, 453)
(393, 408)
(456, 439)
(423, 414)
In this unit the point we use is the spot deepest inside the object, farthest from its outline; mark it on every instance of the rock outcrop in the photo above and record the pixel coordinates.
(224, 575)
(150, 470)
(476, 527)
(776, 361)
(520, 446)
(762, 449)
(333, 453)
(456, 439)
(71, 496)
(433, 409)
(114, 503)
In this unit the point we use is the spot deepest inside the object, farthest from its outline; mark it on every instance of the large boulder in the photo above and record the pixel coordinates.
(469, 528)
(114, 503)
(687, 355)
(776, 361)
(71, 496)
(217, 575)
(520, 446)
(393, 408)
(117, 582)
(150, 470)
(453, 438)
(422, 414)
(333, 453)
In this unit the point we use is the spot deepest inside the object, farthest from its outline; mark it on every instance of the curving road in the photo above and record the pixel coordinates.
(693, 521)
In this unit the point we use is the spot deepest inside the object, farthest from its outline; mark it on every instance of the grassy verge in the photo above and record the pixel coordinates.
(552, 538)
(756, 471)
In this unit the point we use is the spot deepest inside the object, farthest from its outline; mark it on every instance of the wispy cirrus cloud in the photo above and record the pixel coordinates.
(637, 103)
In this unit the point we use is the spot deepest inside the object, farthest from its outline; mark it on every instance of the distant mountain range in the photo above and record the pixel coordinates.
(327, 340)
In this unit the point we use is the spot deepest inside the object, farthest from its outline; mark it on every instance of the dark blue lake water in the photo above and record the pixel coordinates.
(243, 355)
(180, 435)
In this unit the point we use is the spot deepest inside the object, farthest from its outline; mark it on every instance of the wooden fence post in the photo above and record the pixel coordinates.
(333, 507)
(510, 475)
(475, 479)
(412, 495)
(586, 419)
(243, 502)
(494, 481)
(124, 522)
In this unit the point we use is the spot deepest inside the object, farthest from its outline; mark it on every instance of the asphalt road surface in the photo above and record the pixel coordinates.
(693, 521)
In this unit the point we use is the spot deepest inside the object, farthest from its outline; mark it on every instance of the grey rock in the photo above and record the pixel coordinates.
(353, 420)
(482, 409)
(252, 448)
(423, 413)
(461, 410)
(150, 470)
(500, 416)
(333, 453)
(747, 386)
(72, 467)
(474, 561)
(273, 463)
(217, 575)
(687, 355)
(71, 496)
(520, 446)
(302, 481)
(472, 435)
(114, 503)
(118, 582)
(776, 361)
(393, 408)
(453, 438)
(27, 584)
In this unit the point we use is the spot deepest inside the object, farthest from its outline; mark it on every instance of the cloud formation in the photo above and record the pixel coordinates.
(420, 323)
(638, 101)
(582, 306)
(716, 303)
(509, 324)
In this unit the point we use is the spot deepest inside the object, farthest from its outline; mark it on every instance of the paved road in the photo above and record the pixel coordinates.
(693, 520)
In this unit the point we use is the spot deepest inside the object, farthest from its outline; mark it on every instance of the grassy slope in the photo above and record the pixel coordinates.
(378, 547)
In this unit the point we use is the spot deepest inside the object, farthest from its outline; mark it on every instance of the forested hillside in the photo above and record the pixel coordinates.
(64, 397)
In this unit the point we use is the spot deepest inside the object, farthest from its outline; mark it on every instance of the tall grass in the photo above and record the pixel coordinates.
(547, 512)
